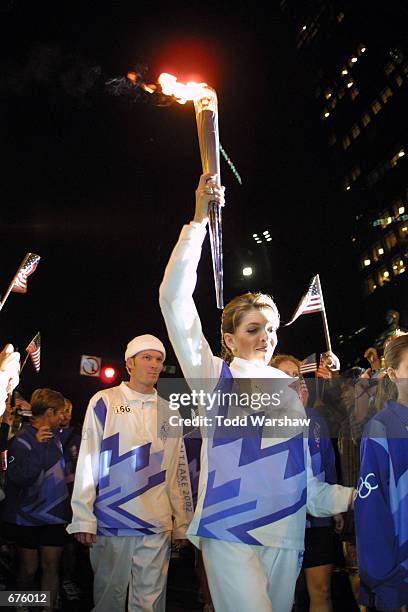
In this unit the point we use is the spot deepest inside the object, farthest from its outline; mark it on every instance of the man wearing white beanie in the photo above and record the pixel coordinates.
(131, 493)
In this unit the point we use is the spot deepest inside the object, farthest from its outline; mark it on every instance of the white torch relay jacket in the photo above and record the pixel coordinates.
(250, 491)
(132, 474)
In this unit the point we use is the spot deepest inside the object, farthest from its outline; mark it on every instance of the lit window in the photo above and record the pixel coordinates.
(376, 106)
(365, 119)
(401, 210)
(398, 79)
(396, 158)
(326, 114)
(397, 55)
(304, 28)
(355, 131)
(386, 94)
(383, 277)
(346, 142)
(366, 262)
(350, 84)
(391, 240)
(362, 49)
(327, 94)
(398, 266)
(354, 59)
(377, 252)
(347, 187)
(403, 231)
(344, 72)
(370, 285)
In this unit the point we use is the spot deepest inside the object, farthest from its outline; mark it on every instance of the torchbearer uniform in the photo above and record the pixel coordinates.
(132, 490)
(381, 510)
(253, 491)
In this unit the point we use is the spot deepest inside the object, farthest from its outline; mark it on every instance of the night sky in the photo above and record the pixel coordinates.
(100, 186)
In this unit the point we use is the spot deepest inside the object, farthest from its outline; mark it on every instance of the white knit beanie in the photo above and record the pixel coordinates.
(147, 342)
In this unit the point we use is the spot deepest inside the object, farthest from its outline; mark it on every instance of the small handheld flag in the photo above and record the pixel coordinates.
(26, 268)
(309, 364)
(34, 350)
(19, 282)
(311, 302)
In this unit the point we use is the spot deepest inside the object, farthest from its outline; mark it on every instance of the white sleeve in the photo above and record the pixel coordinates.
(86, 475)
(179, 488)
(9, 374)
(178, 307)
(324, 499)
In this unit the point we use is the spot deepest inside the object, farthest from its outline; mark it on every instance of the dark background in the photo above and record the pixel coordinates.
(100, 186)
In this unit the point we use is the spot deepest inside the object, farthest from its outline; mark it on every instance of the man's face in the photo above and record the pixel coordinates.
(145, 367)
(55, 418)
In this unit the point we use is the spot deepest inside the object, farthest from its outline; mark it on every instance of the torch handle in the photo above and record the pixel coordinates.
(215, 231)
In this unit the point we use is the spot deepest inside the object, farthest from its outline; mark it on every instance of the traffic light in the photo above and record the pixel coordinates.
(109, 374)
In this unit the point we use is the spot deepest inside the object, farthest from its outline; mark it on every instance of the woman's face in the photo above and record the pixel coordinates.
(399, 375)
(255, 337)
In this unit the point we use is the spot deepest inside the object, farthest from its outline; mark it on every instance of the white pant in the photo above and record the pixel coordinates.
(244, 578)
(140, 562)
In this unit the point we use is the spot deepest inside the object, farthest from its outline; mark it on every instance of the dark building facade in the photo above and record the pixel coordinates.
(356, 58)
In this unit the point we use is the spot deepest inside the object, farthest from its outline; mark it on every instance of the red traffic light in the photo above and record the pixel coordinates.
(108, 374)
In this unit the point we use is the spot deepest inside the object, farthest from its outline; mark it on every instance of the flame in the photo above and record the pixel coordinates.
(183, 92)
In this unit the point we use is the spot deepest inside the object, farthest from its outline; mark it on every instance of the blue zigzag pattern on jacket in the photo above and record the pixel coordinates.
(48, 508)
(123, 478)
(242, 478)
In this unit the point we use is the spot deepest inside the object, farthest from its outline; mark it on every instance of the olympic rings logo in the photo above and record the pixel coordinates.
(365, 484)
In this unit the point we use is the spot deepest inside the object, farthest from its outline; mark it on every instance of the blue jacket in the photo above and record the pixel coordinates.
(381, 509)
(36, 493)
(323, 459)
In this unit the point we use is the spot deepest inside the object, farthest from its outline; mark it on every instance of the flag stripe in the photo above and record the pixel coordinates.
(309, 364)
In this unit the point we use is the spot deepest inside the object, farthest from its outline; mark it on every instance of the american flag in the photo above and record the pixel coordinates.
(34, 350)
(26, 268)
(323, 371)
(312, 301)
(309, 364)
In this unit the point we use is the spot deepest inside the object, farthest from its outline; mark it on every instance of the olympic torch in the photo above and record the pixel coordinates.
(206, 110)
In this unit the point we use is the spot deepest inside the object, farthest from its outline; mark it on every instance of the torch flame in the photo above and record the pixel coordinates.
(183, 92)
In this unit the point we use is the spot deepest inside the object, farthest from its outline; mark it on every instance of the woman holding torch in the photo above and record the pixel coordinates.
(253, 492)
